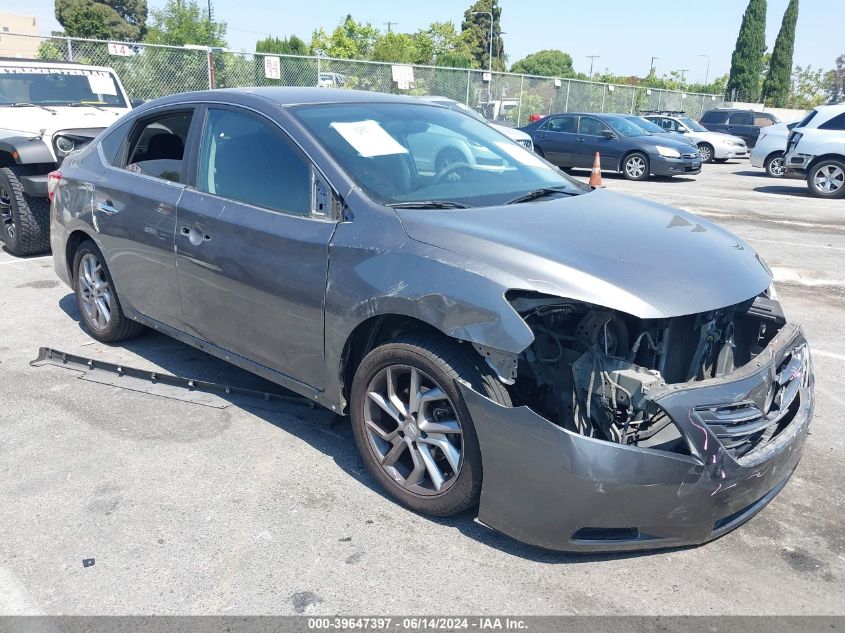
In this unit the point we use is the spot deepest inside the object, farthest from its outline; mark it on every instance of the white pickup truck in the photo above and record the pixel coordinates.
(816, 151)
(47, 110)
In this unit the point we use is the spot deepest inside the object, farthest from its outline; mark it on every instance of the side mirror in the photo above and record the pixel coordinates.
(136, 102)
(608, 134)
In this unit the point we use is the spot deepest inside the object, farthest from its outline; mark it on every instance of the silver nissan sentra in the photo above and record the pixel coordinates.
(594, 371)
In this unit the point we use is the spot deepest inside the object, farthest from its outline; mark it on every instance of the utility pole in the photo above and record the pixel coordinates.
(706, 72)
(592, 58)
(682, 71)
(211, 80)
(389, 24)
(651, 67)
(489, 55)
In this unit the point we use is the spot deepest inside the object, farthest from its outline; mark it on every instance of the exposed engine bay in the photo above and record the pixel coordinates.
(591, 370)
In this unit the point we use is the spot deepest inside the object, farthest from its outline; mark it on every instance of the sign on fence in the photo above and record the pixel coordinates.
(272, 67)
(119, 49)
(403, 75)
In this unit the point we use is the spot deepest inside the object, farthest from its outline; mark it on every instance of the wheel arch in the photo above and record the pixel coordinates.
(633, 150)
(74, 240)
(823, 157)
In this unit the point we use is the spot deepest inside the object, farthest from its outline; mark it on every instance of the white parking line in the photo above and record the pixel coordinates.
(14, 597)
(831, 355)
(797, 276)
(12, 262)
(802, 244)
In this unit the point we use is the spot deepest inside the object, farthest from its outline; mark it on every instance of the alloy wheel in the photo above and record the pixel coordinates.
(413, 430)
(776, 166)
(829, 178)
(635, 167)
(6, 216)
(95, 292)
(705, 153)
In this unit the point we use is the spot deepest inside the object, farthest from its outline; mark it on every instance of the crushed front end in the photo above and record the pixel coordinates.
(643, 433)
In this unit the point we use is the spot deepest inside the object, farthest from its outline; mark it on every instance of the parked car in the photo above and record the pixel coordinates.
(712, 146)
(816, 151)
(572, 140)
(331, 80)
(512, 133)
(745, 124)
(652, 128)
(770, 148)
(622, 370)
(47, 111)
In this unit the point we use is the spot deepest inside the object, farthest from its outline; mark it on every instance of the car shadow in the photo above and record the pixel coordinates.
(798, 190)
(21, 257)
(761, 173)
(323, 430)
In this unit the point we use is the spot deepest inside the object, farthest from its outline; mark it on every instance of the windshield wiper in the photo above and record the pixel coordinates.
(80, 104)
(428, 204)
(542, 193)
(29, 105)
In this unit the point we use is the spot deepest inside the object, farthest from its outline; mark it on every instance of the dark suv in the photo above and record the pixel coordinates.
(745, 124)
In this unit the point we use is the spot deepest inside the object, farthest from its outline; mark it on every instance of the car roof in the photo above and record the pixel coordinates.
(290, 96)
(46, 63)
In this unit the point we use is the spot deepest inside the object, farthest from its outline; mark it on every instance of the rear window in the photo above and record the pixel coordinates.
(741, 118)
(806, 120)
(836, 123)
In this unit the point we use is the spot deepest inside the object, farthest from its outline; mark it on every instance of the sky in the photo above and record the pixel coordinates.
(624, 33)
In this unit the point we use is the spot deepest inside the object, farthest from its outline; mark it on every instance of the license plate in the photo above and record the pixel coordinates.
(695, 166)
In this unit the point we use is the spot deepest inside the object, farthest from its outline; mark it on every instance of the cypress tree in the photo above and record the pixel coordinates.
(747, 58)
(776, 84)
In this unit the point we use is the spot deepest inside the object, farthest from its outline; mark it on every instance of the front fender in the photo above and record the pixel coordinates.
(27, 151)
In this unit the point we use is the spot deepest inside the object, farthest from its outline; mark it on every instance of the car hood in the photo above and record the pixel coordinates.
(34, 121)
(604, 248)
(676, 141)
(716, 137)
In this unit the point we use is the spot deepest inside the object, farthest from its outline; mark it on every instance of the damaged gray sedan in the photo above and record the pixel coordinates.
(594, 371)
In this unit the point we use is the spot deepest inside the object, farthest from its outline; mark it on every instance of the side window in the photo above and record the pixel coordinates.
(114, 144)
(762, 120)
(591, 127)
(246, 159)
(157, 146)
(562, 124)
(740, 118)
(713, 116)
(668, 124)
(836, 123)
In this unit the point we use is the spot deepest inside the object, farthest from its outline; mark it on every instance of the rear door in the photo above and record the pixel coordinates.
(556, 137)
(252, 245)
(590, 139)
(134, 209)
(741, 124)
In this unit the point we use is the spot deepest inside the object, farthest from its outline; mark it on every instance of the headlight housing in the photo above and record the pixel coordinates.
(65, 144)
(668, 152)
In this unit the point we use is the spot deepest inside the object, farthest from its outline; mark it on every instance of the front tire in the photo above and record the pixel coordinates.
(635, 166)
(96, 298)
(24, 220)
(411, 426)
(705, 150)
(827, 179)
(774, 165)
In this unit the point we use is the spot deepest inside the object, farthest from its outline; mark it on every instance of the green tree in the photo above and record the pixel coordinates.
(182, 22)
(103, 19)
(476, 26)
(548, 63)
(350, 40)
(282, 46)
(450, 47)
(747, 58)
(809, 87)
(836, 82)
(776, 84)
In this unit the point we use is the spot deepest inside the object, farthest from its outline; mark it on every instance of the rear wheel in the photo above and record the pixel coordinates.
(827, 179)
(97, 300)
(411, 426)
(774, 165)
(705, 150)
(24, 220)
(635, 166)
(447, 157)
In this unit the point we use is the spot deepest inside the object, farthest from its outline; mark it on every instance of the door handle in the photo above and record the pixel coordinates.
(195, 236)
(106, 207)
(580, 139)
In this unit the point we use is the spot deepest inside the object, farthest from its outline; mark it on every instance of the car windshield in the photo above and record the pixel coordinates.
(625, 127)
(693, 125)
(647, 125)
(408, 153)
(58, 86)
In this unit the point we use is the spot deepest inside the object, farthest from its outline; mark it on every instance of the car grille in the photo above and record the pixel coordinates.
(526, 143)
(743, 428)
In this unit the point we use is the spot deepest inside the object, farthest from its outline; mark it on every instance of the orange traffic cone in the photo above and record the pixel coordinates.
(595, 175)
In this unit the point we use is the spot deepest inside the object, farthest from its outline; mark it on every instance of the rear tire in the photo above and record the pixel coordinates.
(97, 299)
(705, 150)
(826, 179)
(24, 220)
(635, 166)
(774, 165)
(394, 444)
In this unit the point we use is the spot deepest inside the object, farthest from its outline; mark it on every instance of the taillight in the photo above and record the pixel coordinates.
(53, 180)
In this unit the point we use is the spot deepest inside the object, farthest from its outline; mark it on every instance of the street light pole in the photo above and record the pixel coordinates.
(706, 72)
(651, 67)
(682, 71)
(489, 55)
(592, 58)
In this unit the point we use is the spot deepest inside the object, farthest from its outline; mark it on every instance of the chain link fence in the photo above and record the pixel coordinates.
(149, 71)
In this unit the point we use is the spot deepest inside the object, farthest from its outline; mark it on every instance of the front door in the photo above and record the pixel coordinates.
(591, 139)
(252, 251)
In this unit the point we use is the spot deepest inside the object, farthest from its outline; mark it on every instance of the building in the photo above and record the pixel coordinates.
(16, 46)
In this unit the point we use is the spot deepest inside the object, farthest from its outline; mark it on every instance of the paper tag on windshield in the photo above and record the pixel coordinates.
(102, 84)
(519, 154)
(368, 138)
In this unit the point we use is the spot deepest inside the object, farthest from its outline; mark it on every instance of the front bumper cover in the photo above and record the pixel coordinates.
(550, 487)
(662, 166)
